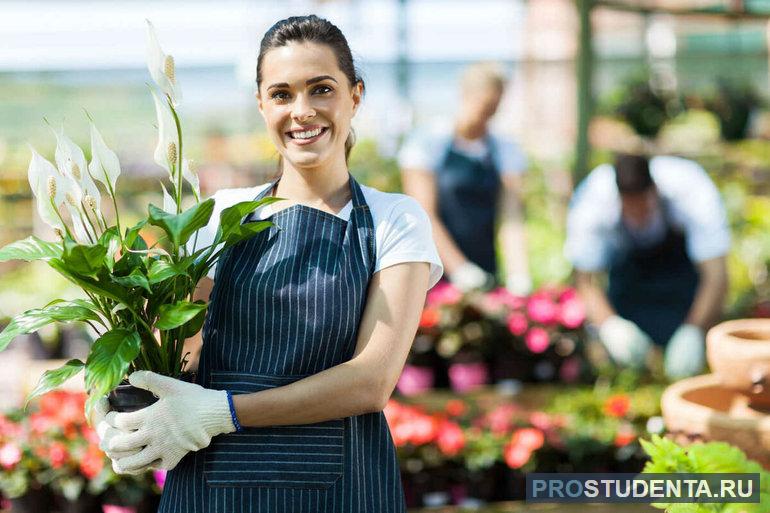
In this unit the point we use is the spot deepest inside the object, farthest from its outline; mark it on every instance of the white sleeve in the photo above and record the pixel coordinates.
(405, 235)
(420, 152)
(589, 243)
(510, 157)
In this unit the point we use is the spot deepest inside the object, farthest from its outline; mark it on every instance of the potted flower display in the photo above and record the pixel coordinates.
(138, 297)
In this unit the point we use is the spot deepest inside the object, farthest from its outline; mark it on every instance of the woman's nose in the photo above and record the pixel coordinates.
(302, 110)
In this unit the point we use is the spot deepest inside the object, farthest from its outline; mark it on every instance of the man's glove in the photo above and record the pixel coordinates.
(185, 418)
(470, 277)
(625, 341)
(685, 352)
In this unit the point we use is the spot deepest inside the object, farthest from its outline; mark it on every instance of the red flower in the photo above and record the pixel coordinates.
(617, 405)
(541, 420)
(537, 340)
(57, 454)
(430, 317)
(39, 422)
(624, 437)
(531, 438)
(450, 438)
(10, 455)
(455, 407)
(92, 462)
(500, 420)
(517, 323)
(516, 456)
(541, 308)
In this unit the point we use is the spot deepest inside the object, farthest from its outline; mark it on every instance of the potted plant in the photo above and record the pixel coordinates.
(138, 296)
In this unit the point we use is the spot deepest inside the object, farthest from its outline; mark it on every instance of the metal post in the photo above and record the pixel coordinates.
(585, 92)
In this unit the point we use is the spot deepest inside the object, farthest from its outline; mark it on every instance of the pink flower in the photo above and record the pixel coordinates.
(415, 380)
(450, 438)
(464, 377)
(10, 455)
(517, 323)
(502, 297)
(160, 477)
(569, 371)
(500, 419)
(531, 438)
(541, 420)
(58, 454)
(537, 340)
(541, 308)
(516, 456)
(568, 294)
(572, 313)
(444, 293)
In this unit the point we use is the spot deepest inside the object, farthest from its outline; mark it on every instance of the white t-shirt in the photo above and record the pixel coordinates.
(426, 151)
(695, 207)
(402, 228)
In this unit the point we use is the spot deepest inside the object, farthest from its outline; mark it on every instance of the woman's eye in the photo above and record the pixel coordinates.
(279, 95)
(323, 89)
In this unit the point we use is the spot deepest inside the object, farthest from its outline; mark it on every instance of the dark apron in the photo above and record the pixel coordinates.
(468, 191)
(654, 286)
(287, 304)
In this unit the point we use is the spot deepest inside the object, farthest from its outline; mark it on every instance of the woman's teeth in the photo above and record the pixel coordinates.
(306, 134)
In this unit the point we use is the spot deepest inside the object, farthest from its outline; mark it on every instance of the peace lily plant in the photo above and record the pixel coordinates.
(138, 299)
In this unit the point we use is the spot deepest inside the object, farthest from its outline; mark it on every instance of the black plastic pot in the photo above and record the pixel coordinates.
(34, 501)
(86, 503)
(127, 398)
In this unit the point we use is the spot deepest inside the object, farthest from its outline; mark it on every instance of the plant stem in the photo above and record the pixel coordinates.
(179, 155)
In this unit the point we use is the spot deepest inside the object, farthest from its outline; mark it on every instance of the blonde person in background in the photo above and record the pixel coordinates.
(469, 181)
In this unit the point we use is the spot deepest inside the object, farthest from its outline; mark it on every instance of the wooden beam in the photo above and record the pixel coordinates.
(737, 10)
(584, 63)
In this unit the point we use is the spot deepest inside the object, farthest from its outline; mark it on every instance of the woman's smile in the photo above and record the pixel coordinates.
(303, 136)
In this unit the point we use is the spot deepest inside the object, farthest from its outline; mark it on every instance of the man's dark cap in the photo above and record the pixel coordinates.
(632, 173)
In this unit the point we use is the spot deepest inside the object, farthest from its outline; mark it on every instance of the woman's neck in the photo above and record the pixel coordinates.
(324, 188)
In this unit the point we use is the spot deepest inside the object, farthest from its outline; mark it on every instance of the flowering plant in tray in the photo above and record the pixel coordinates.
(138, 299)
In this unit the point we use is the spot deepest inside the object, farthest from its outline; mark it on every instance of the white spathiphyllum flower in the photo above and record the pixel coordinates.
(43, 180)
(104, 165)
(167, 150)
(169, 205)
(162, 67)
(191, 176)
(72, 163)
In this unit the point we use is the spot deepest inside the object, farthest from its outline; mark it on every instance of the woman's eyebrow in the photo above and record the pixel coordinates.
(309, 81)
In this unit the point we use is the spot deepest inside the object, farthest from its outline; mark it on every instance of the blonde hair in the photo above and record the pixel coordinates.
(483, 74)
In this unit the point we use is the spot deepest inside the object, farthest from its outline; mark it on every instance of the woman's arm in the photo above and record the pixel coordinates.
(421, 185)
(363, 384)
(194, 344)
(513, 235)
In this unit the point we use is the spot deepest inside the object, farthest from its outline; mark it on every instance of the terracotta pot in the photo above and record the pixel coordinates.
(739, 353)
(700, 408)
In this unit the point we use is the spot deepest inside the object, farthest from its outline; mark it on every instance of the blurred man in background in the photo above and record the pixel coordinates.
(657, 230)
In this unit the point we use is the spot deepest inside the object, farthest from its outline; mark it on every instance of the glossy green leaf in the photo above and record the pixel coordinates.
(54, 378)
(195, 325)
(109, 360)
(230, 228)
(111, 241)
(82, 259)
(33, 320)
(30, 249)
(101, 285)
(135, 279)
(179, 227)
(173, 316)
(161, 270)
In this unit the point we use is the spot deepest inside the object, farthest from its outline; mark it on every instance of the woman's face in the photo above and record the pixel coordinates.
(307, 103)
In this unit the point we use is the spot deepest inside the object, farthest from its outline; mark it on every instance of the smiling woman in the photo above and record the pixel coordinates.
(309, 323)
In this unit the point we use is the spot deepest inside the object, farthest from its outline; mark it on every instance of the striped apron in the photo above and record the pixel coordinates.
(287, 304)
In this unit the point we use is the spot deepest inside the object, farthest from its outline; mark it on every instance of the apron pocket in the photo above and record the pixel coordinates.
(302, 456)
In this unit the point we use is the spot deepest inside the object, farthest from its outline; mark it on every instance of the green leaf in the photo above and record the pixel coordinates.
(180, 227)
(110, 239)
(230, 228)
(54, 378)
(30, 249)
(173, 316)
(109, 360)
(83, 259)
(33, 320)
(102, 285)
(135, 279)
(194, 326)
(161, 270)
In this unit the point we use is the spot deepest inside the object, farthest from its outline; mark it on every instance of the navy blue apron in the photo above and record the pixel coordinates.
(468, 191)
(654, 286)
(287, 304)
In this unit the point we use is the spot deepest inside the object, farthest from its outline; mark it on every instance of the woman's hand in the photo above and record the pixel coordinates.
(185, 418)
(106, 432)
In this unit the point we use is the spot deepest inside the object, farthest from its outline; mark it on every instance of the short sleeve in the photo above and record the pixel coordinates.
(510, 158)
(405, 235)
(592, 212)
(696, 205)
(421, 151)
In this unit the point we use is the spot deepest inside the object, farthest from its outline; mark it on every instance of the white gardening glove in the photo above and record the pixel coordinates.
(106, 432)
(685, 352)
(185, 418)
(470, 277)
(625, 341)
(519, 284)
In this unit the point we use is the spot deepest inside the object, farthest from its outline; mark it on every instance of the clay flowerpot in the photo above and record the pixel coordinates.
(739, 353)
(701, 409)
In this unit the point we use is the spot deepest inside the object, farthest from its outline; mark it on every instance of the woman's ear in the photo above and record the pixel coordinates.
(259, 102)
(357, 92)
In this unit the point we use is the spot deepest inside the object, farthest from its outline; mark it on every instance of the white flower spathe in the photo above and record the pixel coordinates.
(104, 165)
(72, 163)
(191, 177)
(167, 150)
(161, 66)
(169, 204)
(42, 176)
